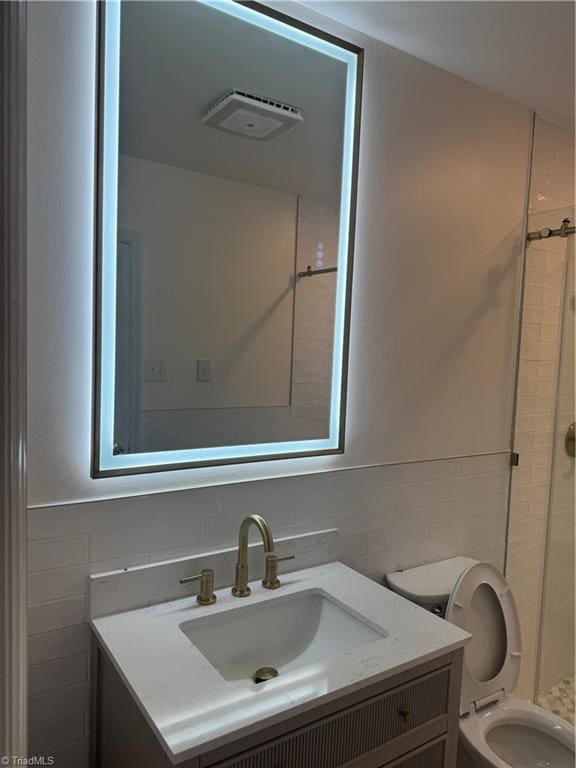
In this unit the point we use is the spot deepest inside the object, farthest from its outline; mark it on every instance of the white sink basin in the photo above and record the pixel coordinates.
(285, 633)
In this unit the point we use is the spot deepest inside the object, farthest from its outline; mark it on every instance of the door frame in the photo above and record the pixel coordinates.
(13, 529)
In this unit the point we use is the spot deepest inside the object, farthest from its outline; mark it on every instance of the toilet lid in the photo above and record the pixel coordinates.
(482, 604)
(431, 583)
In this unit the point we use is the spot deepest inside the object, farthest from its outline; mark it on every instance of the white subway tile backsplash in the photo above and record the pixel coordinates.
(287, 488)
(352, 546)
(224, 526)
(368, 477)
(379, 541)
(44, 586)
(58, 703)
(173, 506)
(427, 511)
(431, 470)
(56, 733)
(49, 522)
(311, 510)
(483, 501)
(71, 755)
(458, 486)
(375, 499)
(63, 582)
(426, 552)
(54, 675)
(351, 524)
(159, 582)
(388, 517)
(187, 549)
(442, 529)
(59, 644)
(497, 482)
(57, 553)
(231, 497)
(494, 555)
(479, 465)
(468, 542)
(411, 493)
(105, 545)
(375, 565)
(57, 614)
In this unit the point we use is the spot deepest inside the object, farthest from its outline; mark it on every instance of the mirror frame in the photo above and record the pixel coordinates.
(104, 462)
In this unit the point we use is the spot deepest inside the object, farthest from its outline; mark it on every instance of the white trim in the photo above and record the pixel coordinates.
(13, 645)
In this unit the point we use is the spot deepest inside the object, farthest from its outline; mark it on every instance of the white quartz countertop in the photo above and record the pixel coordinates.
(193, 709)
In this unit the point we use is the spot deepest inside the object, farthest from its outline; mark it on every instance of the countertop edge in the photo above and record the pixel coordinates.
(178, 757)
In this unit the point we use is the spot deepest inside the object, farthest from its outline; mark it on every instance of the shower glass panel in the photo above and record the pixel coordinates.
(556, 648)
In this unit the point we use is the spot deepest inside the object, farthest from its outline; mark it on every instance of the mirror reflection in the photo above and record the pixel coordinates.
(230, 167)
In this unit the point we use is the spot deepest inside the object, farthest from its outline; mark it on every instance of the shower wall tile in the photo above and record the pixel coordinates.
(558, 610)
(551, 188)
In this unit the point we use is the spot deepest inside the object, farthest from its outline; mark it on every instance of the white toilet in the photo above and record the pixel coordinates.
(496, 729)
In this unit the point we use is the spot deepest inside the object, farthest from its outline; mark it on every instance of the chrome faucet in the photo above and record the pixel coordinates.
(241, 588)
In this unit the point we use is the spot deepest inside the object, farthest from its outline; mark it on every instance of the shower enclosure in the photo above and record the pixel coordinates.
(540, 556)
(554, 680)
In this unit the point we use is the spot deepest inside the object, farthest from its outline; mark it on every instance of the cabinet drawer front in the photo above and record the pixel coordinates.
(429, 757)
(341, 738)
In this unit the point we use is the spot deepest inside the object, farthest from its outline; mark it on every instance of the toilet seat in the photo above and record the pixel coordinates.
(496, 729)
(482, 603)
(475, 729)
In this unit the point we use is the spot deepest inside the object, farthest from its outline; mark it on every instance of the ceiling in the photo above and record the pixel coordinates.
(523, 51)
(172, 71)
(178, 59)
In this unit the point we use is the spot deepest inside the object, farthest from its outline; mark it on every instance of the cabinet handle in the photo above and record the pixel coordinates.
(405, 714)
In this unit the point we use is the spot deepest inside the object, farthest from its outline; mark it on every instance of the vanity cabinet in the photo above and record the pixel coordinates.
(409, 720)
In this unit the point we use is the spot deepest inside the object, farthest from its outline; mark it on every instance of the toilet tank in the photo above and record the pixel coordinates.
(429, 585)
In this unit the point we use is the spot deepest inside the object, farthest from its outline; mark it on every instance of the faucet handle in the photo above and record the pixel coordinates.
(281, 558)
(206, 595)
(271, 580)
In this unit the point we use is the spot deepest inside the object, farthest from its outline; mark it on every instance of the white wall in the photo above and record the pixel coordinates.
(441, 195)
(217, 268)
(307, 415)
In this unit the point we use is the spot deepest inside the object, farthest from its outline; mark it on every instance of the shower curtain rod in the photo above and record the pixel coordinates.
(543, 234)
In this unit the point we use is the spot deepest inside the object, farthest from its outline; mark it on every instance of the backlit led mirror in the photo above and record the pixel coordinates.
(228, 140)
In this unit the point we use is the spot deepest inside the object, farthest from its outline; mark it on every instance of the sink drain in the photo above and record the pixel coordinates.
(264, 673)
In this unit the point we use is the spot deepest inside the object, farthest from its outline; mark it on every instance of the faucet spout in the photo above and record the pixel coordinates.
(241, 588)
